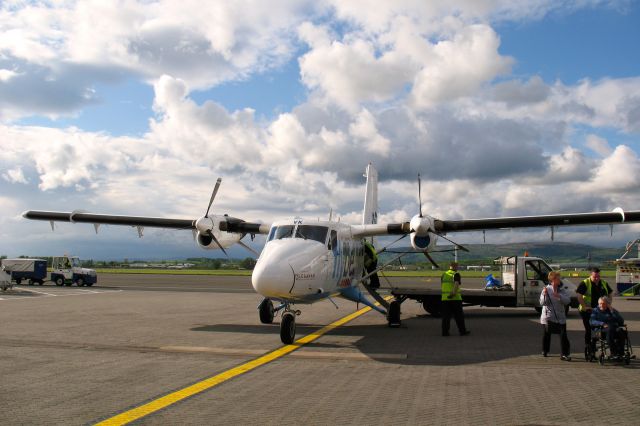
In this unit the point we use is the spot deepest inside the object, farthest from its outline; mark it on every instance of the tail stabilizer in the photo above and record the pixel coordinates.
(355, 295)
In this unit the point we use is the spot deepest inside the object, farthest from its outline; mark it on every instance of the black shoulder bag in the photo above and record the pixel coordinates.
(553, 327)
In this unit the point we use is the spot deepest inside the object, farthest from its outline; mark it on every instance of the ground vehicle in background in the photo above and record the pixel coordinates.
(5, 280)
(628, 271)
(67, 270)
(33, 271)
(522, 280)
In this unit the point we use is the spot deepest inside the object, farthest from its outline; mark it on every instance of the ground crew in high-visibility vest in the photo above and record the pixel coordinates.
(371, 263)
(588, 292)
(452, 300)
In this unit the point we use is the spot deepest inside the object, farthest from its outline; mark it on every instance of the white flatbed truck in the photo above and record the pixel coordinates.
(522, 279)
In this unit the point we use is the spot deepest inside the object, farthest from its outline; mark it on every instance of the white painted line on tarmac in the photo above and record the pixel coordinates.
(62, 294)
(231, 290)
(39, 292)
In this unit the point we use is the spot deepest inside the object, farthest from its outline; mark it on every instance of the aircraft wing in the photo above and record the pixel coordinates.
(599, 218)
(104, 219)
(227, 223)
(444, 226)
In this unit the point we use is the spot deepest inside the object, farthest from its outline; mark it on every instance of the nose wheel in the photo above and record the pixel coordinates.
(266, 311)
(288, 326)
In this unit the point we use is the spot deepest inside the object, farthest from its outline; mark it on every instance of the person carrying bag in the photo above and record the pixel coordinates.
(553, 300)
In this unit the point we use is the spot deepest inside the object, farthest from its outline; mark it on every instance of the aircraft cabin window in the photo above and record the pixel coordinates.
(313, 232)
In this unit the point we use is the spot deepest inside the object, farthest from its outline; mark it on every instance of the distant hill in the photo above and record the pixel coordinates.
(558, 252)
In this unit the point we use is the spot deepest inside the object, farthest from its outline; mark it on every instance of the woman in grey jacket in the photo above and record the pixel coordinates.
(553, 300)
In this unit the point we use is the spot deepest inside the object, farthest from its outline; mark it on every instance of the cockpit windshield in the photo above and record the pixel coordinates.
(279, 232)
(306, 232)
(313, 232)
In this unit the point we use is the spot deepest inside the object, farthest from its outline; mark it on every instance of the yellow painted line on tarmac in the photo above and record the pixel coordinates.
(177, 396)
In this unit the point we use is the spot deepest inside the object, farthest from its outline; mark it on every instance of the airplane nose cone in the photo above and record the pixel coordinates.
(272, 279)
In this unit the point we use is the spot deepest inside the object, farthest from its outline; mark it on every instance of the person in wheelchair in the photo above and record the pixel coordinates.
(610, 322)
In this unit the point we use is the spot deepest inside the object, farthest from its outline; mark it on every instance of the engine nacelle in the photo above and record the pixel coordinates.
(211, 225)
(422, 237)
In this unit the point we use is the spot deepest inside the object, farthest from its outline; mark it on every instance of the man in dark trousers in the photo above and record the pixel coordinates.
(452, 300)
(589, 291)
(371, 263)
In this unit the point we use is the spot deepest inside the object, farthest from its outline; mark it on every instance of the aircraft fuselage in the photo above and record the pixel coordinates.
(304, 261)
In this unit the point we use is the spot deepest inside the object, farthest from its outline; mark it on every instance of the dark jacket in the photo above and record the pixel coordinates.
(611, 317)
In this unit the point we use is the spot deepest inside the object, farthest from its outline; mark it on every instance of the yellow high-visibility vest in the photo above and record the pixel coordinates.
(448, 284)
(587, 295)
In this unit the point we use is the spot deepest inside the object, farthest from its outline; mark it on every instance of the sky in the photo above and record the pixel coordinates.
(137, 107)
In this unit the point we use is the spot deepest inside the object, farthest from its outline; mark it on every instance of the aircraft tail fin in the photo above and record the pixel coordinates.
(370, 212)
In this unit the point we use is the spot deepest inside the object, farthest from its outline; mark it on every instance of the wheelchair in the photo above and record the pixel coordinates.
(599, 344)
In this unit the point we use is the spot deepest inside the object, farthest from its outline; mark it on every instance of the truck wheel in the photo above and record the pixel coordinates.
(59, 281)
(18, 281)
(432, 307)
(89, 284)
(79, 282)
(40, 282)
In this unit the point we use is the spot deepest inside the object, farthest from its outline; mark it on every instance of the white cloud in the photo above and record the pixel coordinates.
(15, 175)
(409, 85)
(458, 67)
(349, 73)
(618, 173)
(82, 44)
(598, 145)
(6, 75)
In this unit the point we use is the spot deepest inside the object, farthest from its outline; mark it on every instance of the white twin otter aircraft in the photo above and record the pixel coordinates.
(304, 261)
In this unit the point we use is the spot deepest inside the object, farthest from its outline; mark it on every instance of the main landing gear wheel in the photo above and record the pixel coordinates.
(288, 328)
(393, 316)
(266, 311)
(432, 307)
(59, 281)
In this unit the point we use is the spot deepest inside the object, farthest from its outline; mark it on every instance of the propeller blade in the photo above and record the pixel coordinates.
(431, 259)
(213, 195)
(463, 248)
(215, 240)
(419, 195)
(248, 248)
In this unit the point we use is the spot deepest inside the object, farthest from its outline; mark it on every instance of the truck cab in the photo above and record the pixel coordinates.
(528, 275)
(67, 270)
